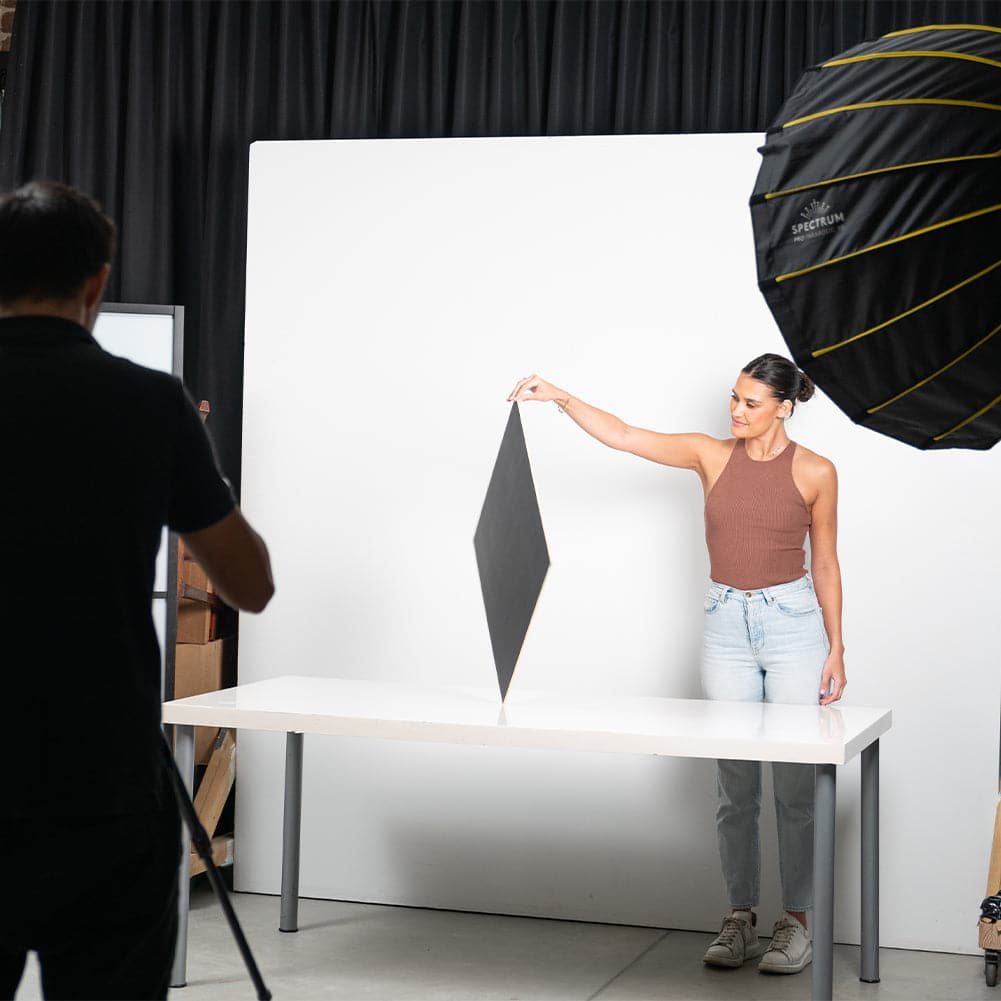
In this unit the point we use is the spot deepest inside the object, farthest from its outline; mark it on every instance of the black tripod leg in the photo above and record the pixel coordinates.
(203, 846)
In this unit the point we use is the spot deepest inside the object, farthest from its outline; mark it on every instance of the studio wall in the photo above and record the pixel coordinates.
(395, 292)
(149, 105)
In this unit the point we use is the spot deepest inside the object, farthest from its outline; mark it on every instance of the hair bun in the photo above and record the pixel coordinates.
(784, 380)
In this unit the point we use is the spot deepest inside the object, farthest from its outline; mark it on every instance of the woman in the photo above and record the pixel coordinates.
(766, 636)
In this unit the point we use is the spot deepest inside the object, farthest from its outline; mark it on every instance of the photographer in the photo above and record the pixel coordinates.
(97, 454)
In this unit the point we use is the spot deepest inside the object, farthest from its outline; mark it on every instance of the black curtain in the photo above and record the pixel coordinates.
(150, 105)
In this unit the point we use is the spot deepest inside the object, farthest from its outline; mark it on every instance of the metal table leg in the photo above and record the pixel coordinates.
(291, 833)
(869, 960)
(184, 755)
(823, 882)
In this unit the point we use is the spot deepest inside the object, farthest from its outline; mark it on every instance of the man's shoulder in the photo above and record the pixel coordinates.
(128, 369)
(162, 386)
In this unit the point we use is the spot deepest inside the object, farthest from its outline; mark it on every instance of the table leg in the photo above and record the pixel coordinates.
(291, 833)
(823, 882)
(184, 755)
(869, 961)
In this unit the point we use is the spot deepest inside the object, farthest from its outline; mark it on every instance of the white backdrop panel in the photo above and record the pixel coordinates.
(395, 292)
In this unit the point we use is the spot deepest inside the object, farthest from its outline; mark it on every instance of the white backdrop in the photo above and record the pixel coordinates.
(395, 292)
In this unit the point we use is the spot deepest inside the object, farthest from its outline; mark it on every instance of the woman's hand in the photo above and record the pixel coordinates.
(834, 670)
(534, 388)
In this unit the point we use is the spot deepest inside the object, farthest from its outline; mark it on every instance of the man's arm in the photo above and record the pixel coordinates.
(236, 560)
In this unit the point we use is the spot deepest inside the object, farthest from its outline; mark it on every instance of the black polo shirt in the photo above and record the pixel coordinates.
(96, 455)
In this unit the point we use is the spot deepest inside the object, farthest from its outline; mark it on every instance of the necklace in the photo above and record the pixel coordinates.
(774, 452)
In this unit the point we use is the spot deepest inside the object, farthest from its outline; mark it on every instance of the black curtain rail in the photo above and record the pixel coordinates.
(150, 106)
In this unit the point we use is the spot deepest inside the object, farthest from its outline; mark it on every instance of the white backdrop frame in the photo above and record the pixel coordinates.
(396, 289)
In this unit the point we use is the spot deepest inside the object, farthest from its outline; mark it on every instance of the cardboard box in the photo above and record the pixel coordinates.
(196, 622)
(198, 668)
(193, 574)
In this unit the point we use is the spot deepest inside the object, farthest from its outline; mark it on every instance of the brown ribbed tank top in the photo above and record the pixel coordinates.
(756, 522)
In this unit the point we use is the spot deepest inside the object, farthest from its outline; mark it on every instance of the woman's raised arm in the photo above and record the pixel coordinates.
(684, 451)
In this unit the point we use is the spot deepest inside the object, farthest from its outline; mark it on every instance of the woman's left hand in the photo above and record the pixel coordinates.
(834, 670)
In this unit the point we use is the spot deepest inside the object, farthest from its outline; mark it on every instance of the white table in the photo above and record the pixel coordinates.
(823, 736)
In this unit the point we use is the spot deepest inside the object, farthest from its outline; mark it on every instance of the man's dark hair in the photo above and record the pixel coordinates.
(52, 239)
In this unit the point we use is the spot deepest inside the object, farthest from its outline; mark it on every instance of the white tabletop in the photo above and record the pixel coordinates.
(688, 728)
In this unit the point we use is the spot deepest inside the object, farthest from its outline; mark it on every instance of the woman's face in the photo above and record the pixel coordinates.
(753, 409)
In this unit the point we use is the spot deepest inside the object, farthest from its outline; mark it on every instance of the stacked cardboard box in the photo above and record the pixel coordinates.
(196, 612)
(200, 665)
(199, 656)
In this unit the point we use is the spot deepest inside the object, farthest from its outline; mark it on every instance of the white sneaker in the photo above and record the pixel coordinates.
(736, 943)
(790, 949)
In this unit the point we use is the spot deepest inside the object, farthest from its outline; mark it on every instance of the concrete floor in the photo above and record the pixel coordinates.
(356, 952)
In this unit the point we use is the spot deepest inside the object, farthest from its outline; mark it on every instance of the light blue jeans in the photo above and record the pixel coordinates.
(767, 645)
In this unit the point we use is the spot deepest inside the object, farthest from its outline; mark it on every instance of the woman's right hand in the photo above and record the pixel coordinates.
(534, 388)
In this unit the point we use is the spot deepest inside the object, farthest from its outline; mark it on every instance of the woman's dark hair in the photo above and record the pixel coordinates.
(52, 239)
(782, 377)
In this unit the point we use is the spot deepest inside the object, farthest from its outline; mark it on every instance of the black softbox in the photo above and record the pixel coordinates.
(877, 222)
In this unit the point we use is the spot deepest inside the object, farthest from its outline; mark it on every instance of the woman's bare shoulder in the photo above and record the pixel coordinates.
(715, 449)
(814, 465)
(722, 446)
(715, 455)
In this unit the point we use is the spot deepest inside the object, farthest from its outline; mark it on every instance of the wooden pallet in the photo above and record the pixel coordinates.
(211, 798)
